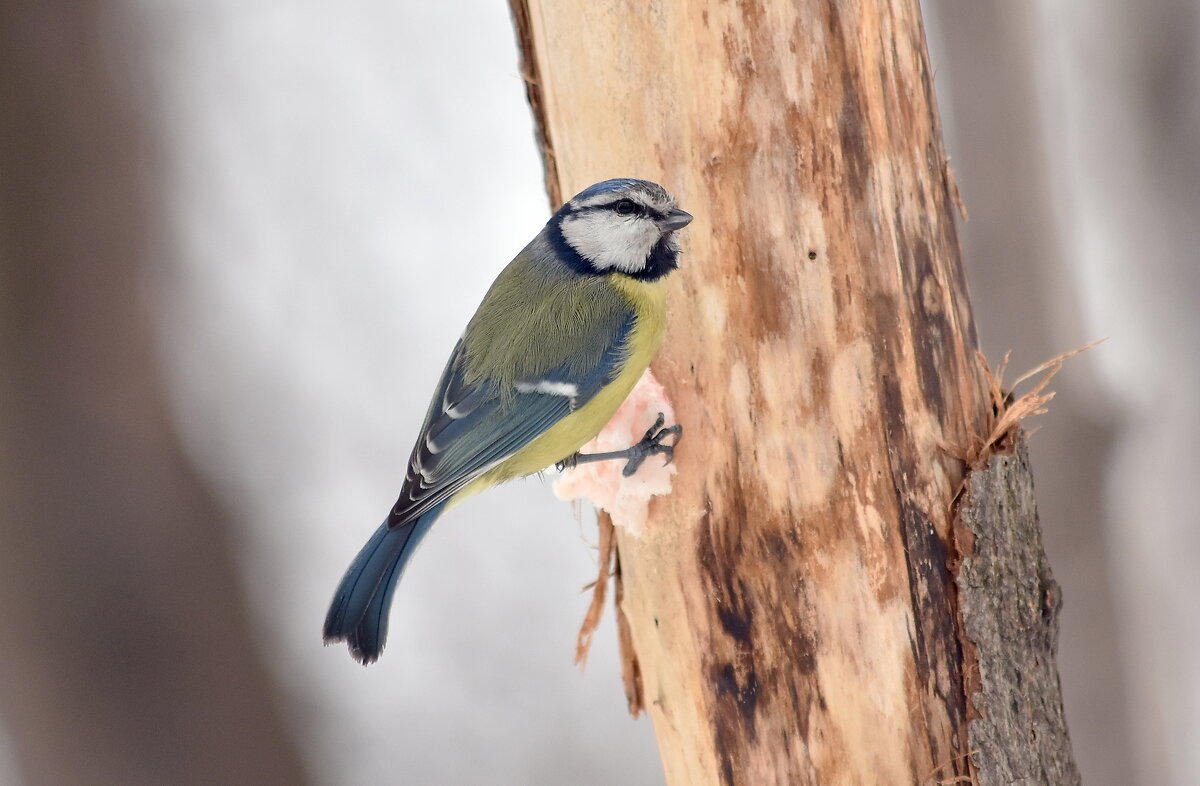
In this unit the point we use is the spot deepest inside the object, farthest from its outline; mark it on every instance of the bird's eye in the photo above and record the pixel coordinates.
(626, 207)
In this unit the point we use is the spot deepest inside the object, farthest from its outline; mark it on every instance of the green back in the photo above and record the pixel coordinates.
(538, 317)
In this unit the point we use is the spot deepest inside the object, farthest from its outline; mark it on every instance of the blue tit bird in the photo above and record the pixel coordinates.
(557, 344)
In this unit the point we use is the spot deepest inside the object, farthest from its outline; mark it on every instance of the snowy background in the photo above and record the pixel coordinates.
(348, 180)
(340, 184)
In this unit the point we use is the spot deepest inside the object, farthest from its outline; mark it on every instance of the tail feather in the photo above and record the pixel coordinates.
(358, 614)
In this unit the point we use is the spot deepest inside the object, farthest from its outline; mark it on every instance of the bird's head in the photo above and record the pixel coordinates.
(621, 225)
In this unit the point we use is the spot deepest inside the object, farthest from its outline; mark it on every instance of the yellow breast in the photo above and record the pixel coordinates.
(565, 437)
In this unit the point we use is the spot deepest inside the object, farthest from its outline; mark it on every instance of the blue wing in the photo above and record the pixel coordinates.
(473, 426)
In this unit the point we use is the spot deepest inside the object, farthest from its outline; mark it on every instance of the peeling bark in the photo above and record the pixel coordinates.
(1009, 604)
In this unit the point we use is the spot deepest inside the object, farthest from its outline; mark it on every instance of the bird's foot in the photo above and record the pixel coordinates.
(652, 444)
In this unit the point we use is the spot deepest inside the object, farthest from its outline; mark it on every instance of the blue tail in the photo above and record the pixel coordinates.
(359, 612)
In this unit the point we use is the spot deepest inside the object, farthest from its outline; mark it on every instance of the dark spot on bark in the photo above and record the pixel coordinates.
(835, 21)
(722, 743)
(852, 133)
(734, 715)
(935, 622)
(932, 350)
(736, 625)
(744, 694)
(805, 653)
(887, 324)
(936, 649)
(760, 655)
(779, 547)
(812, 254)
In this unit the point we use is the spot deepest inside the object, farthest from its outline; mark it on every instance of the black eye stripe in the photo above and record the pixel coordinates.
(639, 209)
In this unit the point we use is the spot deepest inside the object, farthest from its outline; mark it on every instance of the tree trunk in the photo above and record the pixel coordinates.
(793, 607)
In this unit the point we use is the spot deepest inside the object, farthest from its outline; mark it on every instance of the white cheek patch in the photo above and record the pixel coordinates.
(609, 241)
(567, 390)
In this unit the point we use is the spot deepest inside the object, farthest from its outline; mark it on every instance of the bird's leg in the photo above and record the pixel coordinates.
(652, 444)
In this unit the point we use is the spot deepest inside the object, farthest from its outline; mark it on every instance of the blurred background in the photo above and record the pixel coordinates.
(237, 241)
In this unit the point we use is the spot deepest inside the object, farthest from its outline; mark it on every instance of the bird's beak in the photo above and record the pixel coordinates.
(676, 219)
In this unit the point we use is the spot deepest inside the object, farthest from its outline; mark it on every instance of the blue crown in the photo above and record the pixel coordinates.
(608, 187)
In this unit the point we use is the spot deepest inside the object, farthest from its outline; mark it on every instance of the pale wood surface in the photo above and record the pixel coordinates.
(792, 608)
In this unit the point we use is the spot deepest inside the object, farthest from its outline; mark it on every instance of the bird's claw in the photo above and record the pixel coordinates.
(652, 445)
